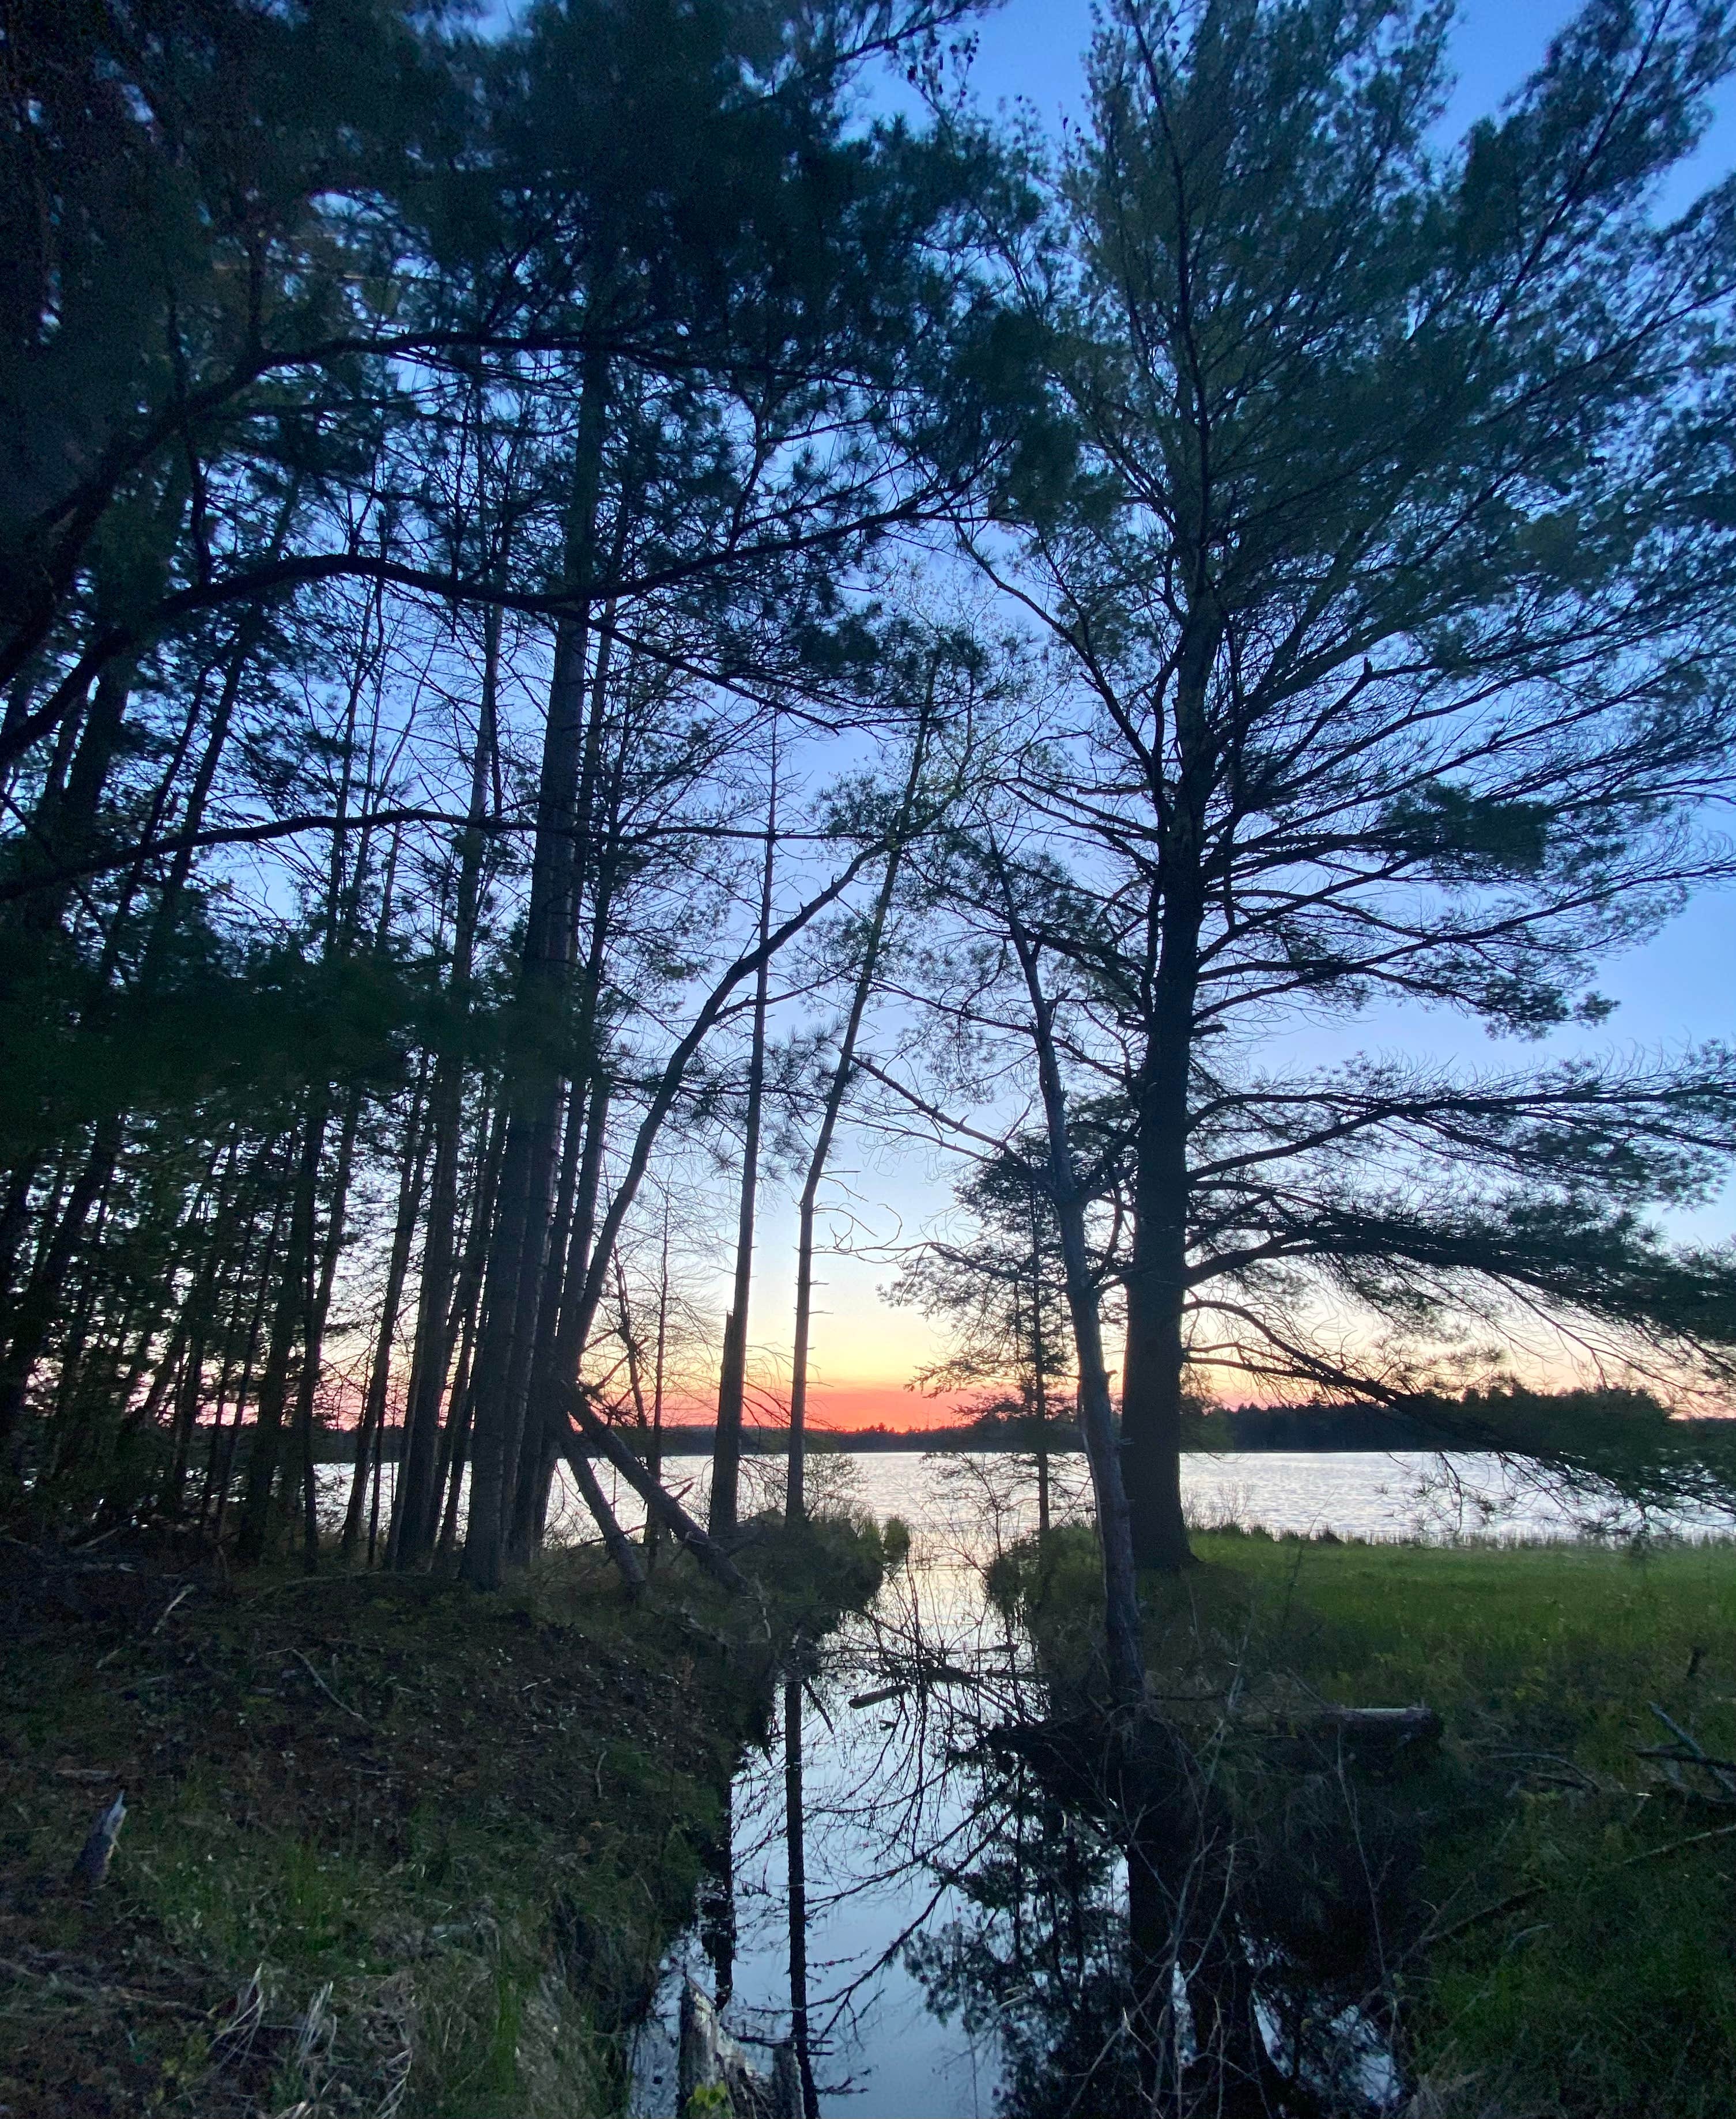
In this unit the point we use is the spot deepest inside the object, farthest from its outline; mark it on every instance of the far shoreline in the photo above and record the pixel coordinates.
(1251, 1430)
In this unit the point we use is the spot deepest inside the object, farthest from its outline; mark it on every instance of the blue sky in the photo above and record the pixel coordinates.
(1033, 49)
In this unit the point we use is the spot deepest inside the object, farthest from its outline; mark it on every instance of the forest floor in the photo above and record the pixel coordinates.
(391, 1847)
(1546, 1898)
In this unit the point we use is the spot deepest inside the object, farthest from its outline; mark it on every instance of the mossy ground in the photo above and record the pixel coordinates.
(1607, 1986)
(391, 1847)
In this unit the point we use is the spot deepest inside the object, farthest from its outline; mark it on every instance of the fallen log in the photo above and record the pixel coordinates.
(710, 2060)
(92, 1865)
(1380, 1738)
(621, 1548)
(655, 1494)
(1391, 1725)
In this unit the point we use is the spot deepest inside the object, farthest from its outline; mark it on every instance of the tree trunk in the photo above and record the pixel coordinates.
(14, 1219)
(413, 1504)
(308, 1270)
(33, 1315)
(1125, 1647)
(463, 1329)
(411, 1172)
(199, 1311)
(539, 1059)
(1040, 1380)
(221, 1480)
(655, 1459)
(1156, 1357)
(458, 1422)
(732, 1380)
(297, 1273)
(231, 1347)
(630, 1343)
(710, 1555)
(561, 1351)
(63, 827)
(313, 1327)
(193, 817)
(620, 1547)
(661, 1100)
(557, 1357)
(509, 1302)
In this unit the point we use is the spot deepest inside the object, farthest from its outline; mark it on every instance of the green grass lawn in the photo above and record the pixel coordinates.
(1568, 1642)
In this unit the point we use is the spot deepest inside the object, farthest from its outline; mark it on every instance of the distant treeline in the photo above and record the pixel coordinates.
(1443, 1424)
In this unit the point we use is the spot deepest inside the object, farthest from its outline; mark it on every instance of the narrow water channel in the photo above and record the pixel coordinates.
(882, 1821)
(866, 1847)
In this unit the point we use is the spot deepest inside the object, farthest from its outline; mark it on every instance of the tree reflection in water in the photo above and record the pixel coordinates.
(796, 1894)
(1040, 1960)
(717, 1906)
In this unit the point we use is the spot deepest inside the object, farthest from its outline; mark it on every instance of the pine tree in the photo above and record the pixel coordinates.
(1387, 603)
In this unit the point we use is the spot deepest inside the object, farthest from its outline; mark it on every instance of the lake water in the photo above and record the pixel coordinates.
(1351, 1494)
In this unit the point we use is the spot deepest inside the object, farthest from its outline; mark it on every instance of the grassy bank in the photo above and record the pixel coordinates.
(1546, 1911)
(391, 1847)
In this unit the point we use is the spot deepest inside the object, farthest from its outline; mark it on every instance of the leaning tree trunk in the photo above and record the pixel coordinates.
(67, 824)
(62, 829)
(663, 1096)
(33, 1316)
(795, 1488)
